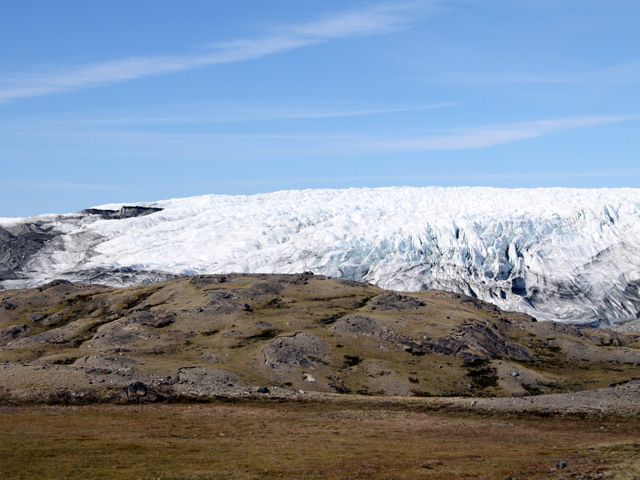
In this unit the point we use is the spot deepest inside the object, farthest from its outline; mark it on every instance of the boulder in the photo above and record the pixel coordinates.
(138, 392)
(13, 332)
(395, 302)
(287, 353)
(206, 376)
(356, 325)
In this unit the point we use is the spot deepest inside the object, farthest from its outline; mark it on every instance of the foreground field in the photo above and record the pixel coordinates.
(253, 440)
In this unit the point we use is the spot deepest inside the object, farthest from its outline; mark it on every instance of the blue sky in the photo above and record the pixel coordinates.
(146, 100)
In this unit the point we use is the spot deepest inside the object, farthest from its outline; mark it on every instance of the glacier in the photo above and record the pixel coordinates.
(568, 255)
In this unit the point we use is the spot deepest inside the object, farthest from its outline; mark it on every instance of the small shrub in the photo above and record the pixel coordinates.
(352, 360)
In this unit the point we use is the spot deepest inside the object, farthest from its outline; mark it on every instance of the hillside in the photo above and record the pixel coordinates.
(229, 335)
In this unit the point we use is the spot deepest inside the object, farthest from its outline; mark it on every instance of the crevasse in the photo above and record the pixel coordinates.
(558, 254)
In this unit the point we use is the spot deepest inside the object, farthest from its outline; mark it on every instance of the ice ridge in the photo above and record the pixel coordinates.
(569, 255)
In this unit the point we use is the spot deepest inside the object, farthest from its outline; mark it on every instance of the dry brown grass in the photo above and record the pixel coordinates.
(224, 325)
(315, 440)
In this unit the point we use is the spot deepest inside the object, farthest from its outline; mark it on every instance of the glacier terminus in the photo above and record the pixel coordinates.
(568, 255)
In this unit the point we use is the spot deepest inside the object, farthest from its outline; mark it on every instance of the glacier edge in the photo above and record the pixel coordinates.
(559, 254)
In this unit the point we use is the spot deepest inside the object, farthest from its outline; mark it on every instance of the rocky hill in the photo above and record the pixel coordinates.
(244, 335)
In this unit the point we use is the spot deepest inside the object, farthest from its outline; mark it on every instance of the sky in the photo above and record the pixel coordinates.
(143, 100)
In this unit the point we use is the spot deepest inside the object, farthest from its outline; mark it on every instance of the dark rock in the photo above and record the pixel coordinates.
(125, 331)
(56, 283)
(262, 390)
(561, 465)
(54, 336)
(138, 392)
(124, 212)
(7, 306)
(477, 340)
(205, 280)
(287, 353)
(98, 211)
(357, 325)
(13, 332)
(124, 276)
(352, 360)
(135, 211)
(205, 376)
(36, 317)
(268, 288)
(152, 318)
(53, 319)
(38, 232)
(394, 301)
(14, 253)
(109, 363)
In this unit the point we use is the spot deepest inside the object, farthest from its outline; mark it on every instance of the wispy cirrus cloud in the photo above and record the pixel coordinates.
(116, 139)
(617, 75)
(213, 113)
(376, 20)
(488, 136)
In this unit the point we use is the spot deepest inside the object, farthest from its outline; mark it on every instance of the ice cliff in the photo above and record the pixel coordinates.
(558, 254)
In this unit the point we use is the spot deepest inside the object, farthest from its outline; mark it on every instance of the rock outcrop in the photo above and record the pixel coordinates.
(138, 392)
(13, 332)
(287, 353)
(288, 333)
(124, 212)
(14, 253)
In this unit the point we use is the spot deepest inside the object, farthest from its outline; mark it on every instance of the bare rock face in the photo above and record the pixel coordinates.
(138, 392)
(126, 211)
(116, 363)
(14, 253)
(60, 335)
(478, 340)
(36, 317)
(285, 354)
(266, 288)
(223, 301)
(13, 332)
(7, 305)
(355, 325)
(473, 340)
(205, 376)
(153, 319)
(122, 332)
(394, 301)
(202, 281)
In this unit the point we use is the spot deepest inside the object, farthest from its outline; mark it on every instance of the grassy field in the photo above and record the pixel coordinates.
(256, 440)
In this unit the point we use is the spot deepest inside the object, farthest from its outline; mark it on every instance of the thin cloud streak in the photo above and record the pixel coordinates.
(489, 136)
(617, 75)
(377, 20)
(313, 144)
(220, 115)
(349, 113)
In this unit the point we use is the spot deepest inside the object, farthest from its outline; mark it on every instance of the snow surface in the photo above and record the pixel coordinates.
(559, 254)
